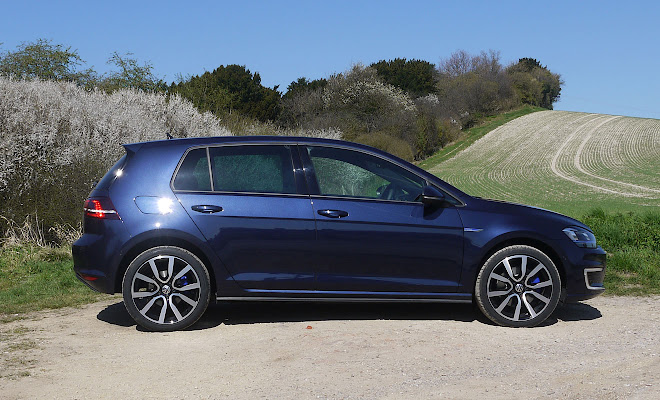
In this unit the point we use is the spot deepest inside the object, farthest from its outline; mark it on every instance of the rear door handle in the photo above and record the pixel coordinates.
(333, 213)
(206, 209)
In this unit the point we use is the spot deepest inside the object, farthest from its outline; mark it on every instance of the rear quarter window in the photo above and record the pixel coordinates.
(193, 174)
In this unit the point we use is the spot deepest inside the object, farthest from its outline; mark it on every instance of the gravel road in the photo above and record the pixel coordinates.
(607, 348)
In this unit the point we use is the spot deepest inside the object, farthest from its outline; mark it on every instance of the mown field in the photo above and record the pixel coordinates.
(564, 161)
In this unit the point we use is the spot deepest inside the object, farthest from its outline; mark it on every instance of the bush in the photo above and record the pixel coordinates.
(632, 242)
(388, 143)
(57, 139)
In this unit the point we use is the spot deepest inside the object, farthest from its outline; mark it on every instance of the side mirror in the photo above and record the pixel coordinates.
(432, 197)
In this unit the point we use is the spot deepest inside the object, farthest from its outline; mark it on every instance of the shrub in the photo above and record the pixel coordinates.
(57, 139)
(388, 143)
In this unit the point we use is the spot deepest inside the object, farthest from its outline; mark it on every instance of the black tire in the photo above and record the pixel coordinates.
(166, 289)
(518, 286)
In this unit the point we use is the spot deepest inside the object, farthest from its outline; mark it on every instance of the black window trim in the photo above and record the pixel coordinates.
(304, 175)
(293, 154)
(313, 182)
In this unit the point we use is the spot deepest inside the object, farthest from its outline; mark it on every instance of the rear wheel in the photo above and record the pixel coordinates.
(518, 286)
(166, 288)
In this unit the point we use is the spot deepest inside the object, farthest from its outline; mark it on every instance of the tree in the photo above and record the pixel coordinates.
(472, 86)
(231, 88)
(43, 60)
(535, 84)
(131, 75)
(413, 76)
(303, 85)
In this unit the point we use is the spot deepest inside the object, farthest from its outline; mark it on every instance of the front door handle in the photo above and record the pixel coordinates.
(206, 209)
(333, 213)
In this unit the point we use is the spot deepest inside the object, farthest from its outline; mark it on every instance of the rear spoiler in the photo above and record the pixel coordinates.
(132, 148)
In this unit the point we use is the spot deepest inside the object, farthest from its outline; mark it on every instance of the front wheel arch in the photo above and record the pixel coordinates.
(522, 241)
(518, 286)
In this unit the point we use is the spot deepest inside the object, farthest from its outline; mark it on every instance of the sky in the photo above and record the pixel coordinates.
(607, 52)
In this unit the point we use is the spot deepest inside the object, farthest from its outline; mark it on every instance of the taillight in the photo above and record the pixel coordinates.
(100, 208)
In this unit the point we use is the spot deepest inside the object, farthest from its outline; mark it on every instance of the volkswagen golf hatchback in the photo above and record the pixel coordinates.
(176, 224)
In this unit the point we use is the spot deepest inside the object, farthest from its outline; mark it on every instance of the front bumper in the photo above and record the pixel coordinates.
(585, 273)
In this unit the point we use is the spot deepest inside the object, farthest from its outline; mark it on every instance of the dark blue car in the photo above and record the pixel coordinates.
(178, 223)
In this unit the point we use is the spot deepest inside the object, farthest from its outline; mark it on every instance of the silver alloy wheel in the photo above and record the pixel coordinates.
(165, 289)
(520, 287)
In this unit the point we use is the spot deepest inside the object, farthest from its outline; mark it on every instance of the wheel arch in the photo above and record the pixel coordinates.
(143, 243)
(525, 241)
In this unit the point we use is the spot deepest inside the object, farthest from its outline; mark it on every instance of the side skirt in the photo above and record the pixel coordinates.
(350, 297)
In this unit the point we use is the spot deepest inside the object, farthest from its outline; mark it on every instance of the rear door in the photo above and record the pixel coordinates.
(374, 235)
(249, 202)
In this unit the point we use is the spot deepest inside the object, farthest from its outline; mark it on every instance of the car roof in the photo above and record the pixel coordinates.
(205, 141)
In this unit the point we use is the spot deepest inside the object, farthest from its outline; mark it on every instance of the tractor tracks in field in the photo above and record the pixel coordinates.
(586, 130)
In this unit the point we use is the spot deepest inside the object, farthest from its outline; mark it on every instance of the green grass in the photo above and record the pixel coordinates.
(35, 278)
(632, 241)
(474, 133)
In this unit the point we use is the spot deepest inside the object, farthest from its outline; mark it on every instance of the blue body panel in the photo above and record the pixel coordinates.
(266, 241)
(386, 246)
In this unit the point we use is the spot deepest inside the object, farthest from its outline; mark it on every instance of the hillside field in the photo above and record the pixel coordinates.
(564, 161)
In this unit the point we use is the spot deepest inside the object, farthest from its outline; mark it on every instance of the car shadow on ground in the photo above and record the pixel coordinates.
(236, 313)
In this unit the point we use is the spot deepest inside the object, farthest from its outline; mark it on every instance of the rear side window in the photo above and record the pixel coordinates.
(253, 168)
(193, 173)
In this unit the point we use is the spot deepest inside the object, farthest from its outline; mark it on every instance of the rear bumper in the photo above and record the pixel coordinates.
(97, 254)
(91, 266)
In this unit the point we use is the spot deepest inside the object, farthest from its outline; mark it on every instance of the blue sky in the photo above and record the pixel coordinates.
(608, 52)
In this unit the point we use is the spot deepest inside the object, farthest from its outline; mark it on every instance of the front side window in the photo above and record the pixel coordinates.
(252, 168)
(348, 173)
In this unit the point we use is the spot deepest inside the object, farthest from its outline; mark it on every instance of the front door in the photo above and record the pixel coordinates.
(373, 233)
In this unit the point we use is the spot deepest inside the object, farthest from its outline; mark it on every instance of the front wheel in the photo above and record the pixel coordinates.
(518, 286)
(166, 288)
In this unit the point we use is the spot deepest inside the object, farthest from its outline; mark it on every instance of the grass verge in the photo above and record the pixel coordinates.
(474, 133)
(35, 278)
(632, 242)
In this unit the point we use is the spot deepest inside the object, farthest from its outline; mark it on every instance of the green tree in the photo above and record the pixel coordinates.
(44, 60)
(304, 85)
(535, 84)
(417, 77)
(131, 74)
(231, 88)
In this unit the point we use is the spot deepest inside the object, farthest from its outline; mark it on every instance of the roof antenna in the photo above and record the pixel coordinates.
(169, 136)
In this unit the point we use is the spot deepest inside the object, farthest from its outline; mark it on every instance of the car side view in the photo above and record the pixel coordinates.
(176, 224)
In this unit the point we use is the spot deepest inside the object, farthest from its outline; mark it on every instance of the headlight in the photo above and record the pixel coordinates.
(581, 237)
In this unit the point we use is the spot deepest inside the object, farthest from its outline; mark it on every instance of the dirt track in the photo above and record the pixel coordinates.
(608, 348)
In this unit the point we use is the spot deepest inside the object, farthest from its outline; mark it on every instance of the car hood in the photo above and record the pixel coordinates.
(505, 207)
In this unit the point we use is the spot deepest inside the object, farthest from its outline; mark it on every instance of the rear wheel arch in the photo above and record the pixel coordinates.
(148, 243)
(166, 288)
